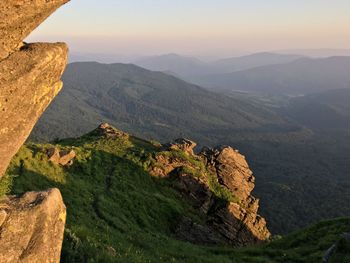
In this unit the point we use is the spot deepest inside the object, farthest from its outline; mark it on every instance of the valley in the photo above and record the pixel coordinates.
(297, 165)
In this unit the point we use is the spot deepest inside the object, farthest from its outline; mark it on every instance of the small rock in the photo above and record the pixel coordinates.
(182, 144)
(67, 157)
(64, 158)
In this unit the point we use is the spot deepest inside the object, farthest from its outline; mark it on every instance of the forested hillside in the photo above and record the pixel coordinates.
(301, 171)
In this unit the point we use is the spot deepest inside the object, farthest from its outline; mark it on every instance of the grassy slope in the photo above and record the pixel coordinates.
(117, 212)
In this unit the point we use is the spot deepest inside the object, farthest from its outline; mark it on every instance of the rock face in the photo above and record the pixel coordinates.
(29, 80)
(31, 227)
(29, 74)
(18, 18)
(232, 171)
(234, 222)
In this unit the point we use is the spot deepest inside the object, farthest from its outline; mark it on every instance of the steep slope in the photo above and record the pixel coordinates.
(119, 212)
(151, 104)
(302, 76)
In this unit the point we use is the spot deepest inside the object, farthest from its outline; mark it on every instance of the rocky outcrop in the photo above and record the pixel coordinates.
(29, 80)
(234, 221)
(31, 227)
(29, 74)
(232, 171)
(108, 131)
(18, 18)
(182, 144)
(64, 158)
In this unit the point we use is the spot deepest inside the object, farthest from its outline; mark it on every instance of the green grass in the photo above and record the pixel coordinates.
(117, 212)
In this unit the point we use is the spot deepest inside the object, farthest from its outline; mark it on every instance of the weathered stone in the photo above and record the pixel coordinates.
(33, 228)
(234, 223)
(109, 131)
(182, 144)
(67, 157)
(18, 18)
(242, 224)
(64, 158)
(29, 80)
(54, 155)
(232, 170)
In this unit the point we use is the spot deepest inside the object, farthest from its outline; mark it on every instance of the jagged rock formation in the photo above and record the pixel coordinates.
(232, 171)
(236, 221)
(29, 74)
(182, 144)
(31, 227)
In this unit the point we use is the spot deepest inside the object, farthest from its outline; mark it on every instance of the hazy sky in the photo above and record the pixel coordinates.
(198, 27)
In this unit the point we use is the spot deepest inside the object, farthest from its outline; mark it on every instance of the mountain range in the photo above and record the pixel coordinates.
(190, 67)
(289, 156)
(302, 76)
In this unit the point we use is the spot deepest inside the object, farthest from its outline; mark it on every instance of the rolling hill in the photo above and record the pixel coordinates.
(152, 104)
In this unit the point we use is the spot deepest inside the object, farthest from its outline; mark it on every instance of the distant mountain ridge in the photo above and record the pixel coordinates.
(190, 67)
(230, 65)
(302, 76)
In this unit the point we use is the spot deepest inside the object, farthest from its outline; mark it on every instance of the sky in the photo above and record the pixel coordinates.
(198, 27)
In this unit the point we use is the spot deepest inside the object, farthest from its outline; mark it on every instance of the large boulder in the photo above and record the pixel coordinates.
(32, 227)
(29, 80)
(18, 18)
